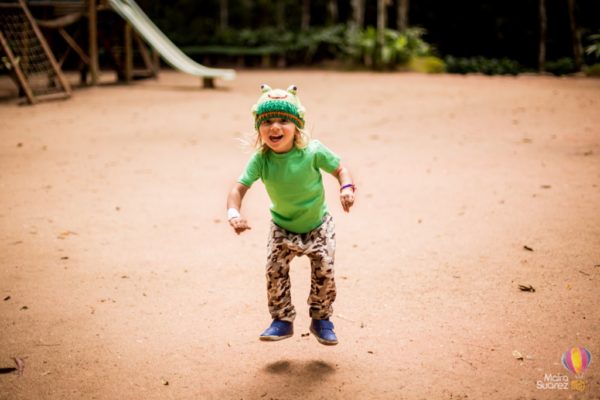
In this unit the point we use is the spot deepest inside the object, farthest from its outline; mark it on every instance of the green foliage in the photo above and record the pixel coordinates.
(427, 64)
(356, 47)
(324, 42)
(482, 65)
(593, 70)
(397, 49)
(593, 49)
(562, 66)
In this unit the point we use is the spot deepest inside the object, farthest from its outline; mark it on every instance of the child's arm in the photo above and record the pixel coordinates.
(347, 193)
(234, 204)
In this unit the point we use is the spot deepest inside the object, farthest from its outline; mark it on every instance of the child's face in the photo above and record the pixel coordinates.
(278, 134)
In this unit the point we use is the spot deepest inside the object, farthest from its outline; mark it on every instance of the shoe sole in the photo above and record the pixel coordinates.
(323, 341)
(274, 338)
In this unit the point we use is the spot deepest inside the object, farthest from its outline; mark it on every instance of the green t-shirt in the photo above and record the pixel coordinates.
(294, 183)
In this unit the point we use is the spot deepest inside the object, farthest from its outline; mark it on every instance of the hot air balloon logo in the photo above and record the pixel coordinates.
(577, 360)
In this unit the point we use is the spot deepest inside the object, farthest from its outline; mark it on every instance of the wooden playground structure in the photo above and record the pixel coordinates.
(33, 32)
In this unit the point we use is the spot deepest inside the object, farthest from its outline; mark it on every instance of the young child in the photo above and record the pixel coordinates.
(289, 165)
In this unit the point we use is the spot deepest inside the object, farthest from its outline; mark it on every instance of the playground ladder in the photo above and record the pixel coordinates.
(28, 57)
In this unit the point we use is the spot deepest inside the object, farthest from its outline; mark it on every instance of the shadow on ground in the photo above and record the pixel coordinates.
(291, 379)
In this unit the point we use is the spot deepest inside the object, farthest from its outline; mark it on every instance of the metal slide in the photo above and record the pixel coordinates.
(130, 11)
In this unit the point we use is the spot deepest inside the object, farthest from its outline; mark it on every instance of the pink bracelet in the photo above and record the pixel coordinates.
(347, 186)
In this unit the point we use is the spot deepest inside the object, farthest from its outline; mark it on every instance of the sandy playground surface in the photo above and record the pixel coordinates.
(121, 279)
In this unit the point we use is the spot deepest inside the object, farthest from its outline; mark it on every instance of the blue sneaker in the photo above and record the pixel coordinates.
(323, 331)
(278, 330)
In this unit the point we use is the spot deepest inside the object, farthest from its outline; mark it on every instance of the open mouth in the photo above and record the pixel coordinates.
(275, 138)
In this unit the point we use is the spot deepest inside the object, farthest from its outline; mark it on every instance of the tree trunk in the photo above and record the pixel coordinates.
(332, 12)
(402, 15)
(305, 24)
(224, 14)
(542, 43)
(247, 7)
(280, 15)
(381, 14)
(358, 13)
(575, 36)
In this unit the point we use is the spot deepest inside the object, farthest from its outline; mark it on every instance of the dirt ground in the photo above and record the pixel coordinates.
(121, 279)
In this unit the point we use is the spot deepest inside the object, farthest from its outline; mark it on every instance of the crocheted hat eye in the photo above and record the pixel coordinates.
(293, 89)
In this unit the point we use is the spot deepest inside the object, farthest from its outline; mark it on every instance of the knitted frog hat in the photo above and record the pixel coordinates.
(278, 103)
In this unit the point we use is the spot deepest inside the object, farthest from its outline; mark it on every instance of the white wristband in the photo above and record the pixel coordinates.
(232, 213)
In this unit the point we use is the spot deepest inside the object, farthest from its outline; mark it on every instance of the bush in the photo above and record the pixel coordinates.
(428, 65)
(482, 65)
(593, 70)
(398, 48)
(356, 47)
(562, 66)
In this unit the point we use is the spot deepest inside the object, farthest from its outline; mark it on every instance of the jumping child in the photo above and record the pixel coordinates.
(289, 165)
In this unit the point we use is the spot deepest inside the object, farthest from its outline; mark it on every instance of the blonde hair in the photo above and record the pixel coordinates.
(252, 140)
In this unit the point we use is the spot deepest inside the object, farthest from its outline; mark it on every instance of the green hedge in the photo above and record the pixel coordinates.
(487, 66)
(356, 48)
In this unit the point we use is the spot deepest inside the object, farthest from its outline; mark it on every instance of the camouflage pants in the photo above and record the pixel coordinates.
(319, 246)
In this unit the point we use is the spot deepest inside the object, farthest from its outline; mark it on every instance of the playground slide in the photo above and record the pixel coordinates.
(130, 11)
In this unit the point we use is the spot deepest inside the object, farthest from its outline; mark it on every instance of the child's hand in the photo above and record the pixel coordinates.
(347, 198)
(239, 224)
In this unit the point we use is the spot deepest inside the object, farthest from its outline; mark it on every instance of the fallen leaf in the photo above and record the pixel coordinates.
(370, 352)
(164, 382)
(24, 308)
(20, 365)
(527, 288)
(7, 298)
(64, 258)
(66, 234)
(527, 248)
(516, 354)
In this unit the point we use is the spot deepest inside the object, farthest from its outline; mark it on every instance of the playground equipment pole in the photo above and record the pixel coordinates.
(128, 52)
(93, 41)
